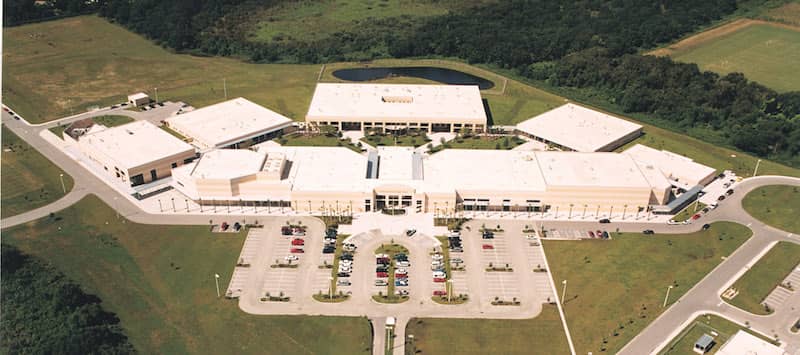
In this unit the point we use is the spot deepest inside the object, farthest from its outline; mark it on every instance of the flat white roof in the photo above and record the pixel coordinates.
(323, 168)
(579, 128)
(228, 164)
(477, 169)
(590, 169)
(744, 343)
(227, 122)
(673, 166)
(395, 163)
(391, 102)
(137, 96)
(135, 144)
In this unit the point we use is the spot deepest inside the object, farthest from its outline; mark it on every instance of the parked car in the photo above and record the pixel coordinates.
(721, 197)
(457, 250)
(328, 251)
(439, 279)
(605, 235)
(343, 274)
(706, 226)
(400, 276)
(381, 269)
(410, 232)
(381, 274)
(591, 234)
(440, 293)
(648, 232)
(291, 258)
(696, 216)
(224, 226)
(297, 250)
(456, 260)
(673, 222)
(605, 220)
(487, 246)
(437, 256)
(401, 292)
(400, 256)
(401, 283)
(381, 283)
(599, 233)
(286, 230)
(298, 241)
(401, 271)
(346, 256)
(341, 282)
(729, 192)
(487, 235)
(402, 264)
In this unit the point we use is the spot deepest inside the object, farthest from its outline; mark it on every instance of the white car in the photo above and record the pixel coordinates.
(402, 264)
(346, 269)
(291, 258)
(437, 274)
(345, 262)
(401, 292)
(437, 256)
(381, 256)
(531, 237)
(672, 222)
(401, 271)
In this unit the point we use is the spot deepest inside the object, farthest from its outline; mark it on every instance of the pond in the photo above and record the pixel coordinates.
(442, 75)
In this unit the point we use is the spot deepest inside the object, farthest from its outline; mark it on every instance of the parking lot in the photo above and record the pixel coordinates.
(492, 269)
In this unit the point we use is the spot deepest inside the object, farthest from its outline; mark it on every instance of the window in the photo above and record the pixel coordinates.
(506, 205)
(137, 180)
(174, 165)
(153, 175)
(187, 161)
(368, 205)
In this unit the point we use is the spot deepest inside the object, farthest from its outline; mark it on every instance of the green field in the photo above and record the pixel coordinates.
(617, 287)
(689, 211)
(29, 180)
(684, 342)
(55, 68)
(541, 335)
(160, 281)
(313, 20)
(317, 140)
(764, 53)
(777, 205)
(479, 142)
(756, 284)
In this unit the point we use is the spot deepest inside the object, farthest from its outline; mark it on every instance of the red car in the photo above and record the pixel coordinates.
(381, 274)
(697, 216)
(439, 279)
(440, 293)
(591, 234)
(297, 250)
(599, 233)
(488, 246)
(298, 242)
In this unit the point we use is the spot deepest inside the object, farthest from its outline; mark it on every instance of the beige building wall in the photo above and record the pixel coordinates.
(163, 166)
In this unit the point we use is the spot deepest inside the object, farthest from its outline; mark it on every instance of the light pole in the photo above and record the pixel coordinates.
(667, 296)
(63, 187)
(156, 94)
(449, 290)
(563, 291)
(330, 288)
(624, 209)
(216, 281)
(755, 171)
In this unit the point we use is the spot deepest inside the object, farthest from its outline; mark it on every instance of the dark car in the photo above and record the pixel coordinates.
(382, 269)
(605, 220)
(648, 232)
(729, 192)
(706, 226)
(346, 256)
(605, 235)
(343, 274)
(285, 230)
(721, 197)
(328, 251)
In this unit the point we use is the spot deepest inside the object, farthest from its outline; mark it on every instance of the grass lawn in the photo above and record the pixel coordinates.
(28, 180)
(689, 211)
(684, 342)
(777, 205)
(756, 284)
(160, 281)
(788, 13)
(402, 140)
(54, 68)
(616, 287)
(317, 140)
(541, 335)
(763, 52)
(105, 120)
(480, 142)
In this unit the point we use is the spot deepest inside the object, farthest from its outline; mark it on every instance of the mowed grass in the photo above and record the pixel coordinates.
(28, 180)
(756, 284)
(689, 211)
(540, 335)
(706, 324)
(312, 20)
(764, 53)
(160, 281)
(788, 13)
(55, 68)
(615, 288)
(776, 205)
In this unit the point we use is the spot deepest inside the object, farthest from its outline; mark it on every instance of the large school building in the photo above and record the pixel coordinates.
(338, 180)
(430, 108)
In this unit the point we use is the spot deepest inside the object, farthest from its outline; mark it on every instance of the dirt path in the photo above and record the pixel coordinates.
(714, 33)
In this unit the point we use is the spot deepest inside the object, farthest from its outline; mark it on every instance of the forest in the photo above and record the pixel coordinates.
(591, 46)
(46, 313)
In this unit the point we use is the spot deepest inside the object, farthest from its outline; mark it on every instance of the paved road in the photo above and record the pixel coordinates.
(705, 296)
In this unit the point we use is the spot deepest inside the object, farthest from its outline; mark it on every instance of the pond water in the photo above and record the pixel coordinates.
(442, 75)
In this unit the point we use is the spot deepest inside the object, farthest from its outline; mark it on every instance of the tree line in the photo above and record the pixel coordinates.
(46, 313)
(587, 45)
(17, 12)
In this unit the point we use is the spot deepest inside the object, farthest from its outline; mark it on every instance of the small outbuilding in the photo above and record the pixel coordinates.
(704, 344)
(138, 99)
